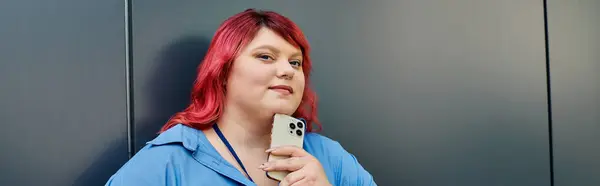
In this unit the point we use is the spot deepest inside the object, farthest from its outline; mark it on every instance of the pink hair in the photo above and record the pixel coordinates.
(233, 35)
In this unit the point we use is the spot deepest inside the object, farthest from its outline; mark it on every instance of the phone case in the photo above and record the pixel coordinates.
(286, 130)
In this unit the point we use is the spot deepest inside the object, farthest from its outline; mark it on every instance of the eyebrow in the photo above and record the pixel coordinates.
(275, 50)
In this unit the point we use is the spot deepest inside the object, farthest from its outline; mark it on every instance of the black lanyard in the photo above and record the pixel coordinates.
(218, 131)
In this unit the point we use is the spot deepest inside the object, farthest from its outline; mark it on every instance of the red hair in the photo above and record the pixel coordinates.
(208, 93)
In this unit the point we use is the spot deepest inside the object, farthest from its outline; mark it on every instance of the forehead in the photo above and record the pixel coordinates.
(267, 37)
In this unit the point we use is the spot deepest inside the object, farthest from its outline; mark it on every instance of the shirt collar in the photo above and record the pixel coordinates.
(195, 141)
(187, 136)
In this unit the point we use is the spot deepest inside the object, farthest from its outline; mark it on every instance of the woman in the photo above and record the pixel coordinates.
(257, 65)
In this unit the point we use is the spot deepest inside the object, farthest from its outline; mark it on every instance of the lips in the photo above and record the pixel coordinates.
(289, 89)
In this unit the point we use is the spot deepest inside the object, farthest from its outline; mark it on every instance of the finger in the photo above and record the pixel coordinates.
(288, 164)
(292, 178)
(288, 151)
(302, 182)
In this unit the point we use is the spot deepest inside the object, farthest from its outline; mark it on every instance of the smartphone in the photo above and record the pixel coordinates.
(286, 130)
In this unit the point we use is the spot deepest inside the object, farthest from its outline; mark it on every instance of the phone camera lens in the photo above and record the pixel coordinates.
(299, 132)
(300, 124)
(292, 126)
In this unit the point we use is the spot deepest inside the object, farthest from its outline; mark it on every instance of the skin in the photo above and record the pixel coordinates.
(268, 60)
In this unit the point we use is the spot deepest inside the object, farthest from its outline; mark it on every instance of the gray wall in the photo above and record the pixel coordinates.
(62, 91)
(574, 41)
(422, 92)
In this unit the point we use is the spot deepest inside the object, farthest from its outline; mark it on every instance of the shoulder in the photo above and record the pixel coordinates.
(159, 160)
(151, 165)
(343, 168)
(152, 156)
(322, 145)
(327, 150)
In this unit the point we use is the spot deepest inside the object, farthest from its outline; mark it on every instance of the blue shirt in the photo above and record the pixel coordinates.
(183, 156)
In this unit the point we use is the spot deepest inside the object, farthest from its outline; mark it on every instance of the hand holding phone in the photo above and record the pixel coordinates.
(286, 131)
(288, 162)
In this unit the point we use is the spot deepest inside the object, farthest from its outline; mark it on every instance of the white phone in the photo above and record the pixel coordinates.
(287, 130)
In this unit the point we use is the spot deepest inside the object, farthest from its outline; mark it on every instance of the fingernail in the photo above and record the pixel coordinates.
(269, 150)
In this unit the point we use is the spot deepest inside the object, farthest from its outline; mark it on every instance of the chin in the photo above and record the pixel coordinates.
(287, 109)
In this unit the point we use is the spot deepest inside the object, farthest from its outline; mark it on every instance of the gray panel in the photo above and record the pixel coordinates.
(575, 81)
(62, 103)
(423, 92)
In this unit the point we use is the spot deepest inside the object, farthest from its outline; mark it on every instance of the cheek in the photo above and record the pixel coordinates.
(259, 77)
(301, 85)
(248, 78)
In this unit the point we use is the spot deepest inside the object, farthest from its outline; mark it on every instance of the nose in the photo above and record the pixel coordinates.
(285, 70)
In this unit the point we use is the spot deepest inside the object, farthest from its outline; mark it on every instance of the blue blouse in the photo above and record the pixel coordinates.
(183, 156)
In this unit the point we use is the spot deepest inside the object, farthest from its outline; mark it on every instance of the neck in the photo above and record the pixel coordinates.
(245, 130)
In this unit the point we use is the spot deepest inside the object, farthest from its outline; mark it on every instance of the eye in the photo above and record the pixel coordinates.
(264, 57)
(296, 63)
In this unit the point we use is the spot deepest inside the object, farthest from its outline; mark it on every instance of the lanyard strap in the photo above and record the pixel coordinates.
(218, 131)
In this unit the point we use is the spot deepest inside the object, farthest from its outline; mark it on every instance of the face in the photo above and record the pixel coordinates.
(267, 76)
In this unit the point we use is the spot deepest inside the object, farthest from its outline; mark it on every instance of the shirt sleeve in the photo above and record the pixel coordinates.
(350, 171)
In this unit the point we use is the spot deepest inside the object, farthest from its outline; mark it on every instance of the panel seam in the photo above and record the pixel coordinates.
(548, 93)
(129, 80)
